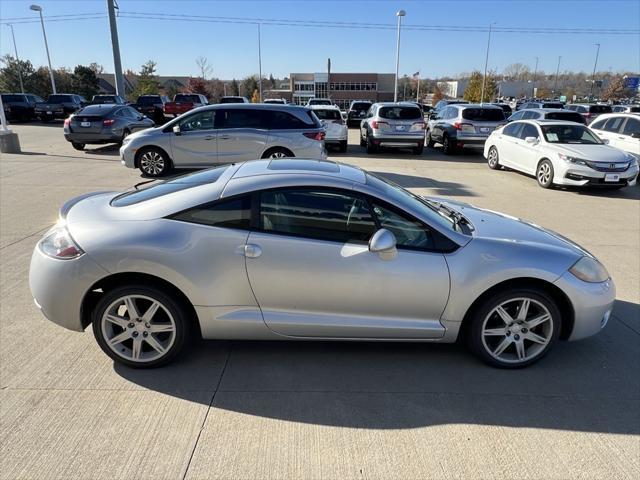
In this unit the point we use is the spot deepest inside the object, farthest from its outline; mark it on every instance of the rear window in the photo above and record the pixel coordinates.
(360, 106)
(400, 113)
(157, 190)
(568, 116)
(319, 102)
(634, 109)
(104, 99)
(231, 100)
(13, 98)
(95, 110)
(327, 114)
(148, 100)
(552, 105)
(187, 98)
(279, 120)
(483, 114)
(60, 98)
(599, 109)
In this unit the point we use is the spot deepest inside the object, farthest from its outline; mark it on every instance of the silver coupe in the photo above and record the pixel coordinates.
(304, 249)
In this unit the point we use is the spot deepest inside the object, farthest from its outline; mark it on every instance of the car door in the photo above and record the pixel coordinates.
(242, 134)
(313, 275)
(526, 155)
(195, 144)
(610, 130)
(629, 136)
(506, 143)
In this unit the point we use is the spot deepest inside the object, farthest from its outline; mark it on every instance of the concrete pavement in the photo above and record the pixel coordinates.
(322, 409)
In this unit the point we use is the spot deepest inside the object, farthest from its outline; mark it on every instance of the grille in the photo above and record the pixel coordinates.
(608, 167)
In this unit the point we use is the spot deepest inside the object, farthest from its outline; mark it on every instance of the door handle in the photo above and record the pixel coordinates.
(209, 137)
(252, 251)
(621, 138)
(224, 137)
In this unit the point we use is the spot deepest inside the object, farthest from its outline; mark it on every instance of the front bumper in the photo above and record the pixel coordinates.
(59, 286)
(127, 156)
(51, 114)
(592, 304)
(584, 176)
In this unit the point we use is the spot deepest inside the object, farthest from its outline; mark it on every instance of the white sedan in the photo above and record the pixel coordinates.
(622, 130)
(334, 124)
(560, 153)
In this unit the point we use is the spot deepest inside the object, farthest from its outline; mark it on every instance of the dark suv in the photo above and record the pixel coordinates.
(107, 100)
(357, 110)
(152, 106)
(20, 106)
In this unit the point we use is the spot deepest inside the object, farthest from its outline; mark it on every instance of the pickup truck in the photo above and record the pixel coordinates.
(152, 106)
(183, 102)
(20, 106)
(107, 99)
(59, 105)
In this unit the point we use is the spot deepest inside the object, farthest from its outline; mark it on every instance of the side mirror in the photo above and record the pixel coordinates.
(605, 141)
(635, 135)
(176, 129)
(531, 140)
(383, 242)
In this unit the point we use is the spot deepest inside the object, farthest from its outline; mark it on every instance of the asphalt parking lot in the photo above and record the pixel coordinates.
(318, 410)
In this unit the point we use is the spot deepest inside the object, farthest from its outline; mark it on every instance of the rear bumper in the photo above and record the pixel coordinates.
(51, 113)
(110, 137)
(398, 141)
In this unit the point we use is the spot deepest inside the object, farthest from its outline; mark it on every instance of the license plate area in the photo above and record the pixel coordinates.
(85, 124)
(399, 128)
(612, 177)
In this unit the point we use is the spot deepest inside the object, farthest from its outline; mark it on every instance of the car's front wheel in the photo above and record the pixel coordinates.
(153, 162)
(77, 146)
(514, 329)
(493, 160)
(140, 326)
(544, 174)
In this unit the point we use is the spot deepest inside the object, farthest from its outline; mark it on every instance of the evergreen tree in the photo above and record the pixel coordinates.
(473, 92)
(235, 88)
(147, 81)
(84, 81)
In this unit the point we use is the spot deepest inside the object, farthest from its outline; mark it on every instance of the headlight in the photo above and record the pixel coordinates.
(589, 270)
(125, 140)
(574, 160)
(57, 243)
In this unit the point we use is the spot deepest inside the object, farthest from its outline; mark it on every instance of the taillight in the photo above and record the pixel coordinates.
(319, 136)
(464, 127)
(67, 121)
(418, 126)
(57, 243)
(378, 125)
(108, 122)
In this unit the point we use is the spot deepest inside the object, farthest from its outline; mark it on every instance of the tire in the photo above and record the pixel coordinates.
(544, 174)
(430, 142)
(493, 159)
(418, 150)
(278, 152)
(363, 142)
(44, 119)
(143, 342)
(514, 348)
(125, 134)
(153, 162)
(448, 148)
(343, 146)
(77, 146)
(371, 148)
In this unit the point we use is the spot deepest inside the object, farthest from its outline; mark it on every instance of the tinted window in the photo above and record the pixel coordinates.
(512, 129)
(400, 113)
(327, 114)
(156, 190)
(181, 97)
(568, 116)
(516, 116)
(599, 109)
(528, 115)
(360, 106)
(316, 213)
(597, 124)
(576, 134)
(241, 118)
(552, 105)
(60, 98)
(232, 100)
(528, 131)
(96, 110)
(632, 126)
(278, 120)
(613, 124)
(234, 213)
(635, 109)
(197, 121)
(408, 233)
(483, 114)
(13, 98)
(148, 100)
(104, 99)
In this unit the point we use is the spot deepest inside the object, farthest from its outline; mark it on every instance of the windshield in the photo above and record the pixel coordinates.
(483, 114)
(403, 196)
(187, 98)
(60, 98)
(600, 109)
(104, 99)
(148, 100)
(327, 114)
(574, 134)
(400, 113)
(552, 105)
(568, 115)
(360, 106)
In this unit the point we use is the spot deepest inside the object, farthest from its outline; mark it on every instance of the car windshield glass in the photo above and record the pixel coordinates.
(159, 189)
(60, 98)
(569, 134)
(104, 99)
(360, 106)
(319, 102)
(148, 100)
(327, 114)
(403, 196)
(187, 98)
(552, 105)
(12, 98)
(400, 113)
(569, 116)
(599, 109)
(483, 114)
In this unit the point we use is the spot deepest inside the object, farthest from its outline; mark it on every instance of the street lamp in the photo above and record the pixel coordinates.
(15, 48)
(399, 14)
(593, 76)
(486, 61)
(38, 8)
(533, 85)
(555, 82)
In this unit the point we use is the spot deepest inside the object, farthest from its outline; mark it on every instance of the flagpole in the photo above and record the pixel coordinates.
(418, 91)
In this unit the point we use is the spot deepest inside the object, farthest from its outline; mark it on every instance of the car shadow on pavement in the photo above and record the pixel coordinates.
(591, 385)
(414, 181)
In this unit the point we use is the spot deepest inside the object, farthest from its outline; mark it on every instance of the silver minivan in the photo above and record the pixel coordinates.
(218, 134)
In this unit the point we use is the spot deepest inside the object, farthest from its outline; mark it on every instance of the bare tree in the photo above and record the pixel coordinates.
(517, 71)
(204, 67)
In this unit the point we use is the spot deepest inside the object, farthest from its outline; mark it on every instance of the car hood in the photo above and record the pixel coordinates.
(498, 226)
(594, 153)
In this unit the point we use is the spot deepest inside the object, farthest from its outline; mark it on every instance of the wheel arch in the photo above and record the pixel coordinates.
(271, 149)
(141, 150)
(562, 300)
(99, 288)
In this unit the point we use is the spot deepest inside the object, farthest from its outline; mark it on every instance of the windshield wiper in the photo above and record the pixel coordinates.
(456, 217)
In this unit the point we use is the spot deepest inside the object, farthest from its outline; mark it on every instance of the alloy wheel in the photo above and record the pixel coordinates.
(544, 173)
(152, 163)
(493, 157)
(517, 330)
(278, 154)
(138, 328)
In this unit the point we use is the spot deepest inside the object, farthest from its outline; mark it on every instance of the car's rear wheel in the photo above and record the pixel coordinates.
(343, 146)
(448, 147)
(430, 142)
(278, 152)
(418, 150)
(153, 162)
(544, 174)
(371, 148)
(493, 160)
(514, 329)
(77, 146)
(140, 326)
(363, 142)
(125, 134)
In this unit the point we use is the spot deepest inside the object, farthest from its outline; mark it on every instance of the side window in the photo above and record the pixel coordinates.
(529, 131)
(241, 118)
(632, 126)
(197, 121)
(132, 113)
(233, 213)
(598, 124)
(516, 116)
(409, 233)
(526, 115)
(316, 213)
(613, 124)
(512, 129)
(277, 120)
(120, 113)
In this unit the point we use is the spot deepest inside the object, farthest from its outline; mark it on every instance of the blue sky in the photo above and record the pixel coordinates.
(231, 48)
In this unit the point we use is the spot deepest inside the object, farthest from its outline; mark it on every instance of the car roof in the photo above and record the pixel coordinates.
(543, 110)
(258, 106)
(397, 104)
(619, 114)
(544, 121)
(300, 166)
(103, 106)
(324, 107)
(476, 105)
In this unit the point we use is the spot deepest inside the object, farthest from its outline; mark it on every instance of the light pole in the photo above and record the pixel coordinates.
(15, 48)
(533, 85)
(593, 76)
(38, 8)
(486, 61)
(399, 14)
(115, 46)
(555, 82)
(259, 64)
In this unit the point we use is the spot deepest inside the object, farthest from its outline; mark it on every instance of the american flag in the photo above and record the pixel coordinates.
(416, 75)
